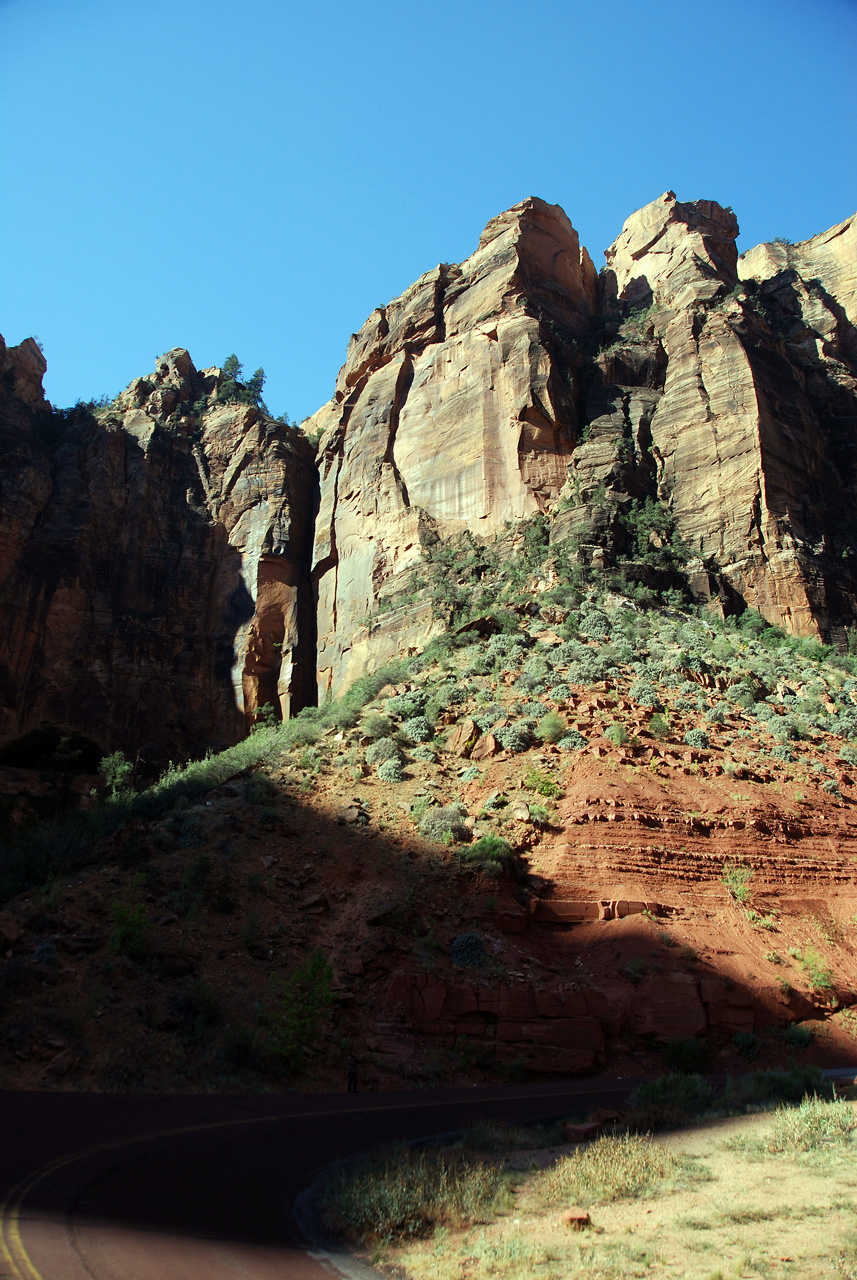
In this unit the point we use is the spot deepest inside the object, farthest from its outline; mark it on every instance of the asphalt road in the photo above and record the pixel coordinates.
(190, 1187)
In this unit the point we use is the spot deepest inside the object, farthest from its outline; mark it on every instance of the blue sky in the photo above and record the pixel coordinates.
(256, 177)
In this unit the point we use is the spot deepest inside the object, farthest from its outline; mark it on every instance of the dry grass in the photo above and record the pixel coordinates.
(698, 1204)
(403, 1191)
(621, 1168)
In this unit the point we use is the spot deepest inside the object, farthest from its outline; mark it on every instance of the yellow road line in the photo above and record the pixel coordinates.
(11, 1243)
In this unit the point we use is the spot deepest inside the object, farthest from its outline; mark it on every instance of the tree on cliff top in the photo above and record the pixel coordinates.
(233, 390)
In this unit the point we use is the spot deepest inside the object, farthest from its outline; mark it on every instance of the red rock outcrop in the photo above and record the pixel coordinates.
(153, 566)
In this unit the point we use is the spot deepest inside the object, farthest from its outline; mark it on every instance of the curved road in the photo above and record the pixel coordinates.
(189, 1187)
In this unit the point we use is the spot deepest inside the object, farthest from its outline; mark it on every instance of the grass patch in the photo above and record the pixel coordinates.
(402, 1192)
(611, 1168)
(815, 1127)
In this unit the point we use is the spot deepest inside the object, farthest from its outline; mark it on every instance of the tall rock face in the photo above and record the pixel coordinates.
(754, 431)
(154, 567)
(722, 387)
(457, 406)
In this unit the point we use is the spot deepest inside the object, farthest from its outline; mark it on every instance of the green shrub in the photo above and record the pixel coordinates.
(671, 1099)
(494, 855)
(443, 823)
(295, 1012)
(541, 782)
(572, 741)
(405, 1191)
(718, 714)
(514, 737)
(391, 771)
(747, 1044)
(697, 739)
(132, 927)
(737, 880)
(797, 1035)
(659, 727)
(689, 1055)
(471, 773)
(376, 726)
(617, 734)
(559, 693)
(643, 693)
(417, 729)
(468, 951)
(383, 749)
(407, 704)
(426, 754)
(551, 727)
(769, 1086)
(818, 974)
(814, 1125)
(117, 772)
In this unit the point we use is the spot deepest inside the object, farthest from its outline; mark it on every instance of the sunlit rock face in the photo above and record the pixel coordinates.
(490, 387)
(153, 566)
(458, 402)
(755, 432)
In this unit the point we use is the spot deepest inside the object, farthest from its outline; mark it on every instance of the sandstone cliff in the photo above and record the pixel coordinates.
(457, 403)
(725, 391)
(153, 567)
(154, 554)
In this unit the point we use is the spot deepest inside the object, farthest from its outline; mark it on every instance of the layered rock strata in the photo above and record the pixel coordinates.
(153, 567)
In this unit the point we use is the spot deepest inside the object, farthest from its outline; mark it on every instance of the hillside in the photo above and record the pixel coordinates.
(518, 686)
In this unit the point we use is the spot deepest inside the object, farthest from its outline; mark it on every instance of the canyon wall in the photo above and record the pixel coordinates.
(457, 405)
(157, 569)
(723, 388)
(153, 567)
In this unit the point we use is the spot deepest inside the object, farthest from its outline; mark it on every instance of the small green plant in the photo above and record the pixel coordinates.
(659, 727)
(697, 739)
(635, 970)
(468, 951)
(747, 1044)
(814, 1126)
(117, 771)
(445, 822)
(758, 921)
(297, 1007)
(375, 725)
(541, 782)
(514, 737)
(383, 749)
(818, 974)
(670, 1099)
(688, 1055)
(494, 855)
(551, 727)
(797, 1035)
(737, 880)
(617, 734)
(391, 771)
(132, 927)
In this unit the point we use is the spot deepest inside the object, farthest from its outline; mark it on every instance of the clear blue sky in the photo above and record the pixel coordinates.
(256, 177)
